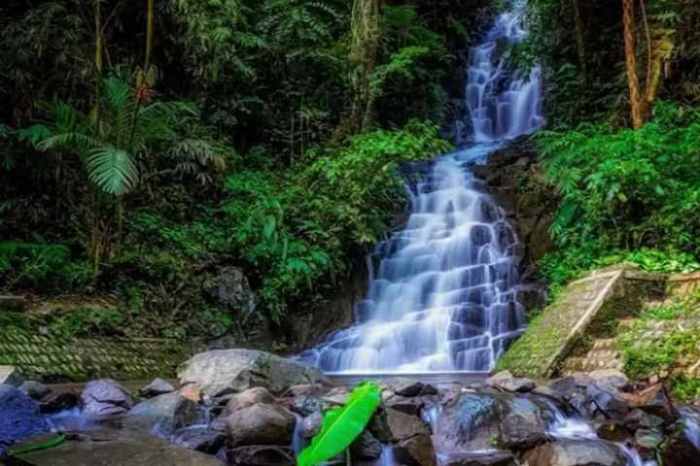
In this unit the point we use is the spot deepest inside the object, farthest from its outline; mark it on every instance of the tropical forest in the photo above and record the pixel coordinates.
(350, 232)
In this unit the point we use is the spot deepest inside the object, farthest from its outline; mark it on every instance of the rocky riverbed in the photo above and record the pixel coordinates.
(243, 407)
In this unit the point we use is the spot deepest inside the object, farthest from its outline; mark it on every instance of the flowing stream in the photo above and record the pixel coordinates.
(443, 290)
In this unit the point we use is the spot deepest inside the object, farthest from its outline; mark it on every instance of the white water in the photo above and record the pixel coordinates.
(443, 296)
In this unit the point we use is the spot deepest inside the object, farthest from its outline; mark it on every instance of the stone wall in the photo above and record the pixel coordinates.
(56, 359)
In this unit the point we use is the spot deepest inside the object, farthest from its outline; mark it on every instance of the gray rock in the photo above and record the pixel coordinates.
(248, 398)
(505, 381)
(105, 397)
(648, 440)
(416, 451)
(155, 388)
(366, 447)
(165, 413)
(260, 455)
(230, 288)
(59, 400)
(227, 371)
(391, 425)
(497, 458)
(19, 416)
(261, 424)
(10, 375)
(682, 446)
(35, 390)
(575, 453)
(199, 439)
(311, 424)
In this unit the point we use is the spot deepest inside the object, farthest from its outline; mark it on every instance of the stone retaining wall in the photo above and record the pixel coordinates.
(79, 359)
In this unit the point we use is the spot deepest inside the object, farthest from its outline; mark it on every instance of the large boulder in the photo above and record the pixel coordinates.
(19, 416)
(489, 458)
(416, 451)
(230, 288)
(220, 372)
(504, 380)
(199, 438)
(480, 421)
(575, 453)
(165, 413)
(260, 424)
(104, 398)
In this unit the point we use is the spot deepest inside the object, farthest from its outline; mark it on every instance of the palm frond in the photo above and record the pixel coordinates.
(112, 169)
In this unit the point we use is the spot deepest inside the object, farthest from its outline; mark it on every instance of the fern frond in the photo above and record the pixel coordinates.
(112, 169)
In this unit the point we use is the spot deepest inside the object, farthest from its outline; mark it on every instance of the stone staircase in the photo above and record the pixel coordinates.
(602, 355)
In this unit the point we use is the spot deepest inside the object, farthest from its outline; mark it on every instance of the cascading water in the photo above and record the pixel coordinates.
(444, 297)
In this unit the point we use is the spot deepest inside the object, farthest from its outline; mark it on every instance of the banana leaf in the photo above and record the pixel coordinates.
(341, 426)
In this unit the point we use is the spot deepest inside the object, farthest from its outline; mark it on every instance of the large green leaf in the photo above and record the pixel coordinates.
(342, 425)
(112, 169)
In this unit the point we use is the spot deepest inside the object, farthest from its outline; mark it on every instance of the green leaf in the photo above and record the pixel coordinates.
(112, 170)
(341, 426)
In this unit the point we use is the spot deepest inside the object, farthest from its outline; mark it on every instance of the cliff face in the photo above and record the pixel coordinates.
(514, 177)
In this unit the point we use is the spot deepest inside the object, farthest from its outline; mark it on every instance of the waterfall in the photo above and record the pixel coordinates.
(443, 291)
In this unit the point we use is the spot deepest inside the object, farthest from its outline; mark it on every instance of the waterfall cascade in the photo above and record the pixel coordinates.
(444, 295)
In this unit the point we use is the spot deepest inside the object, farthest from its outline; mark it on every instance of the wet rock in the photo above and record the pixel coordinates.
(155, 388)
(497, 458)
(609, 379)
(35, 390)
(200, 439)
(505, 381)
(612, 430)
(416, 451)
(260, 424)
(121, 450)
(10, 375)
(575, 453)
(366, 447)
(105, 397)
(401, 426)
(249, 398)
(59, 400)
(311, 424)
(638, 419)
(19, 416)
(165, 413)
(260, 455)
(682, 447)
(609, 403)
(228, 371)
(410, 388)
(410, 406)
(480, 421)
(654, 400)
(230, 288)
(648, 440)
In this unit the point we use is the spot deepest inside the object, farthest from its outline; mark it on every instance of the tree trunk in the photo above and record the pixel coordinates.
(366, 35)
(628, 22)
(580, 41)
(149, 34)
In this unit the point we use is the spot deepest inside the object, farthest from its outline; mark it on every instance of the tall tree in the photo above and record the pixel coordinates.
(366, 36)
(659, 48)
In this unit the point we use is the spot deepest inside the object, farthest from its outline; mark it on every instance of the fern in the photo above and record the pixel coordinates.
(112, 169)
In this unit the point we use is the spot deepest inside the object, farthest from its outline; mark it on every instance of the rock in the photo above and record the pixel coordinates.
(609, 403)
(311, 424)
(9, 375)
(407, 387)
(260, 455)
(653, 400)
(648, 440)
(401, 426)
(412, 406)
(227, 371)
(105, 397)
(165, 413)
(59, 400)
(575, 453)
(192, 392)
(638, 419)
(199, 439)
(121, 450)
(366, 447)
(612, 430)
(682, 446)
(260, 424)
(609, 379)
(416, 451)
(480, 421)
(35, 390)
(248, 398)
(231, 289)
(497, 458)
(19, 416)
(155, 388)
(505, 381)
